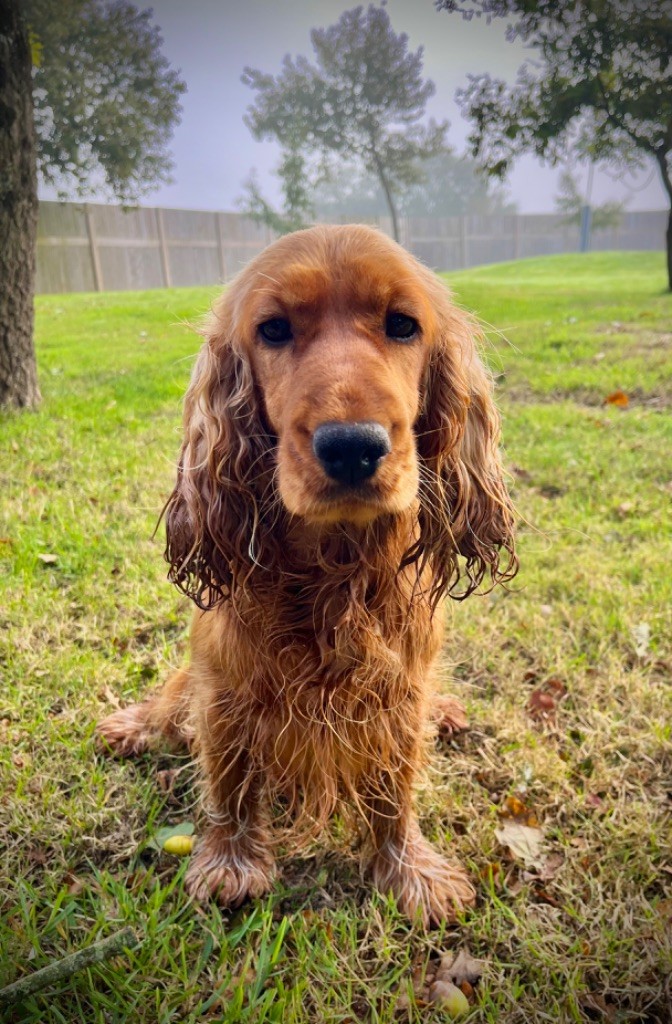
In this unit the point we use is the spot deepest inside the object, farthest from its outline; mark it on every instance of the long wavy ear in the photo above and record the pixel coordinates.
(214, 517)
(465, 508)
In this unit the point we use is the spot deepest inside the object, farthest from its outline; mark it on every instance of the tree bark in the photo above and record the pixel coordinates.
(661, 158)
(669, 250)
(18, 212)
(388, 194)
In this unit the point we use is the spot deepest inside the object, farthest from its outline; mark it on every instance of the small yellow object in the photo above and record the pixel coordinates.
(451, 999)
(180, 846)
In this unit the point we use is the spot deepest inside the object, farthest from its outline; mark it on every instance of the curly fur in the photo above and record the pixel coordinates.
(317, 621)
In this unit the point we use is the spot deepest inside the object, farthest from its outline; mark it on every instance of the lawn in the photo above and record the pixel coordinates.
(567, 679)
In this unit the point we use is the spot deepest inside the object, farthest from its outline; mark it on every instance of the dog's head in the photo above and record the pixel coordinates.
(338, 384)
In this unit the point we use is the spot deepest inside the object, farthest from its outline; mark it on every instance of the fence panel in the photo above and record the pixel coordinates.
(89, 247)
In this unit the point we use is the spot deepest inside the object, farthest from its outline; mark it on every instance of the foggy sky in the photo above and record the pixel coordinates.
(211, 41)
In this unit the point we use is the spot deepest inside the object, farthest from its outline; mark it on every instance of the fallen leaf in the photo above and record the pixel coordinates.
(541, 705)
(514, 808)
(618, 398)
(524, 842)
(107, 695)
(552, 864)
(625, 509)
(641, 634)
(459, 967)
(556, 686)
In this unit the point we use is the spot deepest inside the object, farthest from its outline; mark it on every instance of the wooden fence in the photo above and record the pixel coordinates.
(91, 247)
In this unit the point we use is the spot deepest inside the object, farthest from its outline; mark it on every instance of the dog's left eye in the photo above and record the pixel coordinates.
(277, 331)
(400, 326)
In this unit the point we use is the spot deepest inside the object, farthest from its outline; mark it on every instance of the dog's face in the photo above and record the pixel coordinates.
(339, 344)
(340, 384)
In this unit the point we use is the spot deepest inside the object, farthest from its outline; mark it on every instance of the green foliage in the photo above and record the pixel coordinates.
(570, 202)
(297, 208)
(599, 83)
(362, 100)
(451, 186)
(106, 99)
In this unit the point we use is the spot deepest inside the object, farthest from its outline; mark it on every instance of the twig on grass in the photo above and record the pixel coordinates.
(69, 965)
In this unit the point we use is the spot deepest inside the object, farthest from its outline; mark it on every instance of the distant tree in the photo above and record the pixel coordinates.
(86, 96)
(297, 207)
(450, 186)
(453, 186)
(599, 85)
(362, 100)
(570, 202)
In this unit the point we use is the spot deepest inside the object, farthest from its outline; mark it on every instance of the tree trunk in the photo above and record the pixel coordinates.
(669, 250)
(18, 212)
(388, 195)
(661, 158)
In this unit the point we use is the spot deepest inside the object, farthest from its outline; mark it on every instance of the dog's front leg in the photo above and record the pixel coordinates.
(234, 859)
(400, 860)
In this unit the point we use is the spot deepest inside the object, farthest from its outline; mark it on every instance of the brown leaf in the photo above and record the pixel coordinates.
(552, 864)
(459, 967)
(524, 843)
(514, 809)
(542, 706)
(107, 695)
(618, 398)
(555, 686)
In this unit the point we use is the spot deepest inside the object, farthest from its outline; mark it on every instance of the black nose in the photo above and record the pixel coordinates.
(350, 452)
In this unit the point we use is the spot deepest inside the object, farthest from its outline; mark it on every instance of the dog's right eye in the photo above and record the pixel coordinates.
(277, 331)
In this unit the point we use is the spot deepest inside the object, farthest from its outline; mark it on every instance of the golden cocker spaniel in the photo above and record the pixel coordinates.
(339, 475)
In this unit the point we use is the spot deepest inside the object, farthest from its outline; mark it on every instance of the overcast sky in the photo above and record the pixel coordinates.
(211, 41)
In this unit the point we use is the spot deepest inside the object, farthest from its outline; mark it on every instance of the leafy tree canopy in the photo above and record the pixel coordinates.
(106, 99)
(599, 84)
(362, 99)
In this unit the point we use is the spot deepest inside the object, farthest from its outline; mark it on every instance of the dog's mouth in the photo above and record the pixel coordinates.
(363, 500)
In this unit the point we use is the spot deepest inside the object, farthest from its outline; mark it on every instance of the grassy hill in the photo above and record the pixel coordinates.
(87, 620)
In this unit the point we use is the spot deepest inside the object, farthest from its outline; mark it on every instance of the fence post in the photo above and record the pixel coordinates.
(163, 249)
(586, 220)
(464, 250)
(219, 227)
(93, 249)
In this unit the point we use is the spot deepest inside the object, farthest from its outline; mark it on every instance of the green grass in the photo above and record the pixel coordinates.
(83, 479)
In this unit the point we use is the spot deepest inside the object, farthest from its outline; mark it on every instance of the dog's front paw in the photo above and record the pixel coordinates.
(425, 884)
(225, 870)
(124, 733)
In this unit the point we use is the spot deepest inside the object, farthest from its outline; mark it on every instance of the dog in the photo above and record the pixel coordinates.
(339, 475)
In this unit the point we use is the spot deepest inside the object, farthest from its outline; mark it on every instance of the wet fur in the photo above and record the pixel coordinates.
(309, 685)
